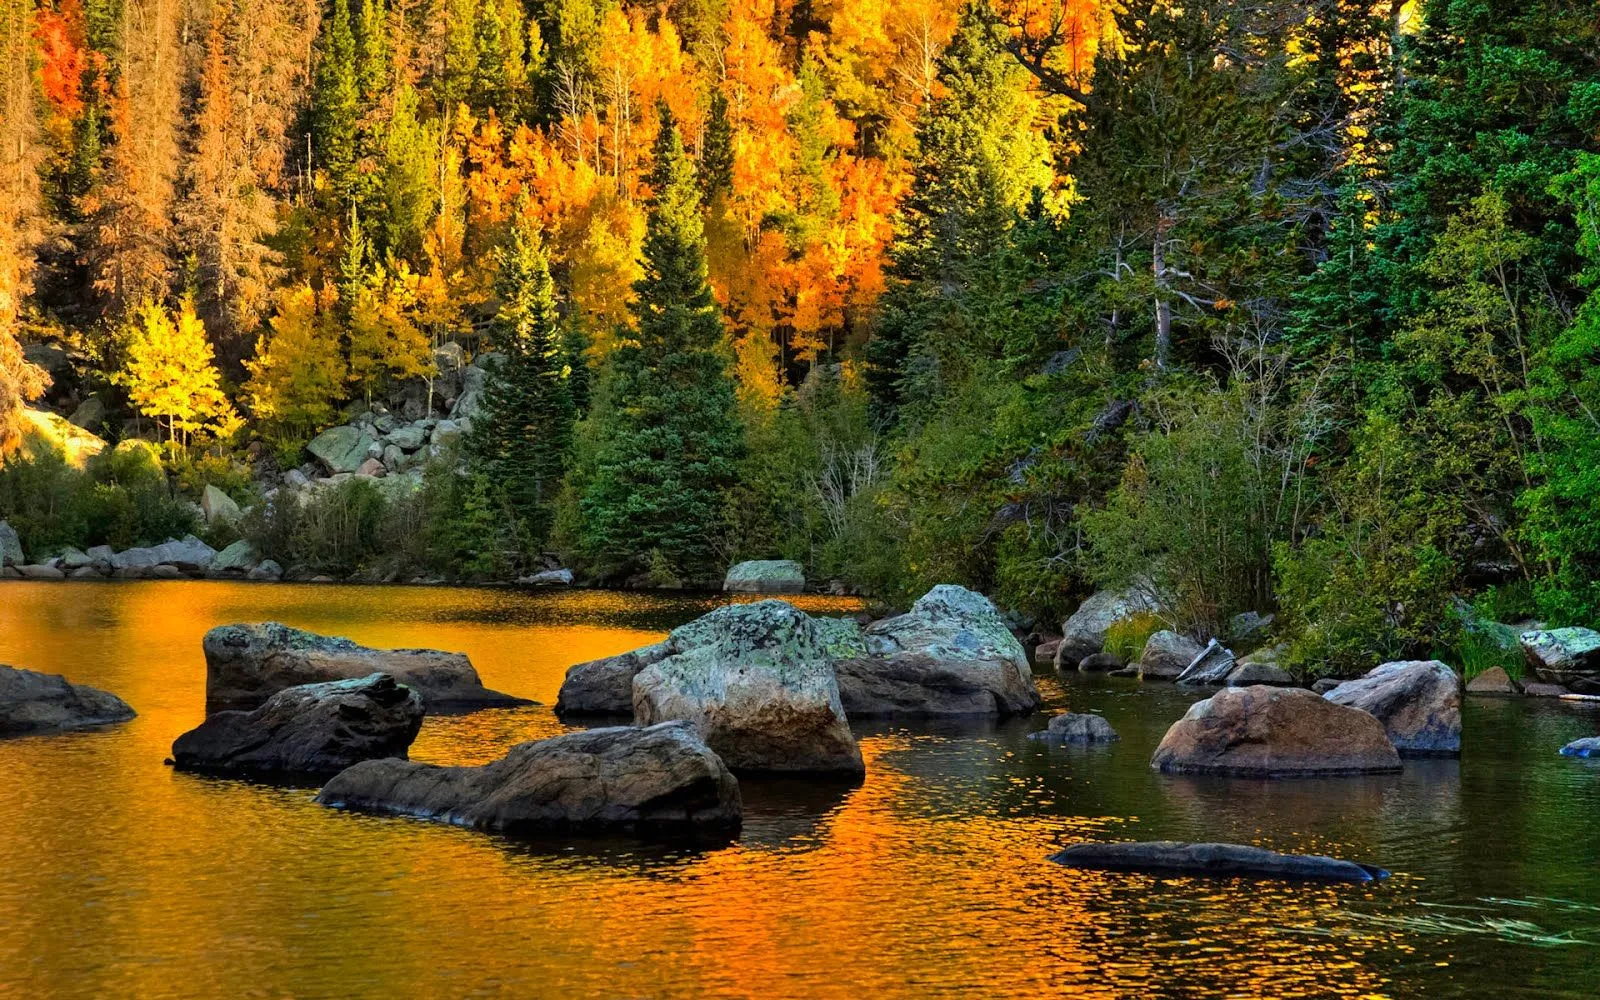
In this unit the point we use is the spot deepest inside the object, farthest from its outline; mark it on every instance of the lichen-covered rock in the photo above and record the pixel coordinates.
(605, 686)
(10, 546)
(310, 730)
(765, 576)
(1418, 702)
(218, 506)
(758, 684)
(661, 779)
(1076, 727)
(951, 654)
(235, 559)
(341, 449)
(31, 702)
(1167, 655)
(1271, 732)
(247, 664)
(1084, 634)
(1566, 656)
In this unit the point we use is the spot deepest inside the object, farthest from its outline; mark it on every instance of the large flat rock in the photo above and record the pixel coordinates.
(314, 730)
(661, 779)
(247, 664)
(1268, 732)
(31, 702)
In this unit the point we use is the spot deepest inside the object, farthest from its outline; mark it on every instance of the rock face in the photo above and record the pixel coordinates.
(661, 779)
(1225, 860)
(756, 681)
(218, 506)
(1167, 655)
(952, 654)
(1084, 634)
(1589, 746)
(1077, 728)
(31, 702)
(1566, 656)
(1274, 732)
(765, 576)
(1418, 702)
(247, 664)
(605, 686)
(312, 730)
(341, 449)
(1044, 654)
(10, 546)
(1494, 681)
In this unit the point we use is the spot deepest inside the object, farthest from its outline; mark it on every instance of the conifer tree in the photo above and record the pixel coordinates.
(716, 150)
(522, 433)
(669, 440)
(335, 104)
(375, 69)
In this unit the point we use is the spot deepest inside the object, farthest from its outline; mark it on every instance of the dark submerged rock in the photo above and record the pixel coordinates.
(1077, 728)
(247, 664)
(1418, 702)
(31, 702)
(661, 779)
(1098, 662)
(313, 730)
(1218, 860)
(1268, 732)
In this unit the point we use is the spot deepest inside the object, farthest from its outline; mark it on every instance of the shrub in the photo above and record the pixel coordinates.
(1126, 638)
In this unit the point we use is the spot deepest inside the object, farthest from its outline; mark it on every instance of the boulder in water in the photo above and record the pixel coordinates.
(10, 546)
(1096, 663)
(247, 664)
(312, 730)
(547, 578)
(1269, 732)
(1589, 746)
(659, 779)
(765, 576)
(951, 654)
(1167, 655)
(1418, 702)
(1224, 860)
(758, 684)
(31, 702)
(605, 686)
(1076, 727)
(1494, 681)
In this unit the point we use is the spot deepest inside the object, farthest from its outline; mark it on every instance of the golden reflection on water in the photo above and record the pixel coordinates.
(123, 878)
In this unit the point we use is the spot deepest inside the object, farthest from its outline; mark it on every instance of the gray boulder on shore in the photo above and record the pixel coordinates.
(311, 730)
(1566, 656)
(660, 779)
(1217, 860)
(757, 682)
(765, 576)
(1084, 633)
(247, 664)
(1418, 702)
(10, 546)
(1268, 732)
(1167, 655)
(31, 702)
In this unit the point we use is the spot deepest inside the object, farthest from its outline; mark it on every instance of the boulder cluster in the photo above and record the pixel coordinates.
(174, 559)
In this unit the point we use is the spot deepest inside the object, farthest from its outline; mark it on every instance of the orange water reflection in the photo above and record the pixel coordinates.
(123, 878)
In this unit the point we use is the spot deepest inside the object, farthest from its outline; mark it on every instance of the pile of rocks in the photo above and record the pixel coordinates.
(174, 559)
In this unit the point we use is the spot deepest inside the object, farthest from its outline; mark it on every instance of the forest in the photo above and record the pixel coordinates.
(1279, 306)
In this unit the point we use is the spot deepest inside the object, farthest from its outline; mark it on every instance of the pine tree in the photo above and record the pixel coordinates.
(716, 150)
(335, 105)
(979, 160)
(375, 69)
(669, 440)
(522, 433)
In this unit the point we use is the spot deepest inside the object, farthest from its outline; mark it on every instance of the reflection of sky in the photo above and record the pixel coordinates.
(124, 878)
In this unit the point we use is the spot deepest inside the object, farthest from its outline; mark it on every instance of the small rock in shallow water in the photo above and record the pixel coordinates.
(1076, 727)
(1493, 681)
(31, 702)
(1539, 689)
(1267, 732)
(1589, 746)
(1225, 860)
(1097, 662)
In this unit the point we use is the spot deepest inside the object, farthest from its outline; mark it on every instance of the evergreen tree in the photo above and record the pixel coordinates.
(375, 66)
(978, 162)
(335, 104)
(716, 150)
(522, 433)
(669, 441)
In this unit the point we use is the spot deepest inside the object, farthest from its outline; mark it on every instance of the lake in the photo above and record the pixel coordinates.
(123, 878)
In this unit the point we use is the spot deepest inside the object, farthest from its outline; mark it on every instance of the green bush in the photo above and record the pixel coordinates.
(1125, 639)
(121, 498)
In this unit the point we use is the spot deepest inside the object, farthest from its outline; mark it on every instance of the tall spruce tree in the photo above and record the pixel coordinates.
(716, 150)
(522, 435)
(979, 161)
(336, 105)
(669, 439)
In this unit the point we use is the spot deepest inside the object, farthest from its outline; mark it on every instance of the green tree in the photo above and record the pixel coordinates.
(668, 438)
(522, 434)
(335, 104)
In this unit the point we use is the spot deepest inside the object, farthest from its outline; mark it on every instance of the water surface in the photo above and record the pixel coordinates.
(122, 878)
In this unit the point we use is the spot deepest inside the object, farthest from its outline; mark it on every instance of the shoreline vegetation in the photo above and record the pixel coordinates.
(1265, 330)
